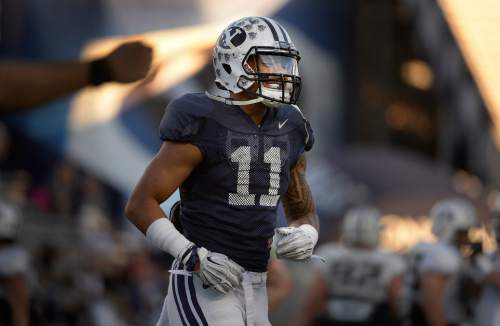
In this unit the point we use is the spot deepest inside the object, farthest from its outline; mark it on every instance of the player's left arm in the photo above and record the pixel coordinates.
(298, 201)
(297, 241)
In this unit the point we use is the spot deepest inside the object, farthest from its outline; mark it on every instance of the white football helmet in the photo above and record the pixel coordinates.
(361, 227)
(450, 216)
(257, 50)
(10, 221)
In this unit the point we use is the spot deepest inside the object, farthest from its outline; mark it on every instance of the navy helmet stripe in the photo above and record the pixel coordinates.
(283, 33)
(271, 27)
(197, 307)
(176, 299)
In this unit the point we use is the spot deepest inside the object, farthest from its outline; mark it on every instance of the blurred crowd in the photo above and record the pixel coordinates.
(61, 242)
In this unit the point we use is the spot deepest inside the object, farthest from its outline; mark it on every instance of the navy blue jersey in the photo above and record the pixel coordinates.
(229, 202)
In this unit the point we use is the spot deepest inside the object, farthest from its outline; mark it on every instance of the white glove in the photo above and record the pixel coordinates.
(296, 243)
(218, 270)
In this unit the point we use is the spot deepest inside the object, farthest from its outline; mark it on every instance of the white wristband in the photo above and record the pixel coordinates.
(163, 234)
(310, 231)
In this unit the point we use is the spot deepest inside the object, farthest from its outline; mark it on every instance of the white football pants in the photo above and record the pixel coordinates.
(190, 303)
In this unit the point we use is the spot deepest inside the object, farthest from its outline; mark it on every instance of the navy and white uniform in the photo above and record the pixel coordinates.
(229, 202)
(357, 281)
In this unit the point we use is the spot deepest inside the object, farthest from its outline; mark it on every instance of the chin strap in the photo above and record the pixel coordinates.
(230, 101)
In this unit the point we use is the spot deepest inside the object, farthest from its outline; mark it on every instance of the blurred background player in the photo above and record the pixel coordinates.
(488, 307)
(438, 269)
(26, 84)
(360, 284)
(14, 259)
(234, 155)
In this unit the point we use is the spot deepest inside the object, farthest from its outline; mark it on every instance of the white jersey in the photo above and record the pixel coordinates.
(357, 280)
(446, 260)
(488, 308)
(13, 260)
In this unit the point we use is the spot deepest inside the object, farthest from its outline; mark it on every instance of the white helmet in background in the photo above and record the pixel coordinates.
(361, 227)
(10, 221)
(264, 44)
(450, 216)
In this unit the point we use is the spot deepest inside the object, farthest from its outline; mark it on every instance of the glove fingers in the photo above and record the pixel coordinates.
(219, 274)
(216, 282)
(297, 254)
(283, 231)
(235, 268)
(291, 246)
(288, 239)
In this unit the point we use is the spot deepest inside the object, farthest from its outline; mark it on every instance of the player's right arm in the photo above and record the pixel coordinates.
(493, 278)
(393, 295)
(433, 289)
(166, 172)
(17, 296)
(315, 302)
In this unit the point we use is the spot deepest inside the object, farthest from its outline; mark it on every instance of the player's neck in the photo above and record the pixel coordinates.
(256, 111)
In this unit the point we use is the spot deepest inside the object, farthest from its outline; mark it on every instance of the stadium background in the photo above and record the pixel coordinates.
(400, 95)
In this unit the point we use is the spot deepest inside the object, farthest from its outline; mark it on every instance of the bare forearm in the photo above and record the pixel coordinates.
(315, 302)
(279, 283)
(18, 299)
(24, 84)
(143, 211)
(433, 291)
(494, 279)
(298, 201)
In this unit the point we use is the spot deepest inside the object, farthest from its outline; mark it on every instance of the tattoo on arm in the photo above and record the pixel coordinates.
(298, 202)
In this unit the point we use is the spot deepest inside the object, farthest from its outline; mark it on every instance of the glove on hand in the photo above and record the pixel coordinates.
(296, 243)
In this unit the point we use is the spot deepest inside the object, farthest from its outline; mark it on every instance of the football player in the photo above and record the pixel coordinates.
(488, 272)
(360, 284)
(14, 297)
(437, 269)
(234, 155)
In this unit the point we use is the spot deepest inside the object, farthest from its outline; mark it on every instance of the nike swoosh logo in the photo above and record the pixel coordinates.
(281, 124)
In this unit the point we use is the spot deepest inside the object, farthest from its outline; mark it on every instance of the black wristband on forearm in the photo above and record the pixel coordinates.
(100, 72)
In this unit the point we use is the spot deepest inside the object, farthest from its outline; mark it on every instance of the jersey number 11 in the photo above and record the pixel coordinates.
(243, 197)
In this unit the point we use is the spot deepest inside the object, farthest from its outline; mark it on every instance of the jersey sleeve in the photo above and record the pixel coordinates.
(184, 120)
(395, 266)
(308, 136)
(179, 123)
(439, 260)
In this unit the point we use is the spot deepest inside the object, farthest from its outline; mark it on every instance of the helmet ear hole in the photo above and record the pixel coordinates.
(227, 68)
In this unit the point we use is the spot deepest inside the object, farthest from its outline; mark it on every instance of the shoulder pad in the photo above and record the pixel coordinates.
(294, 117)
(439, 258)
(183, 116)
